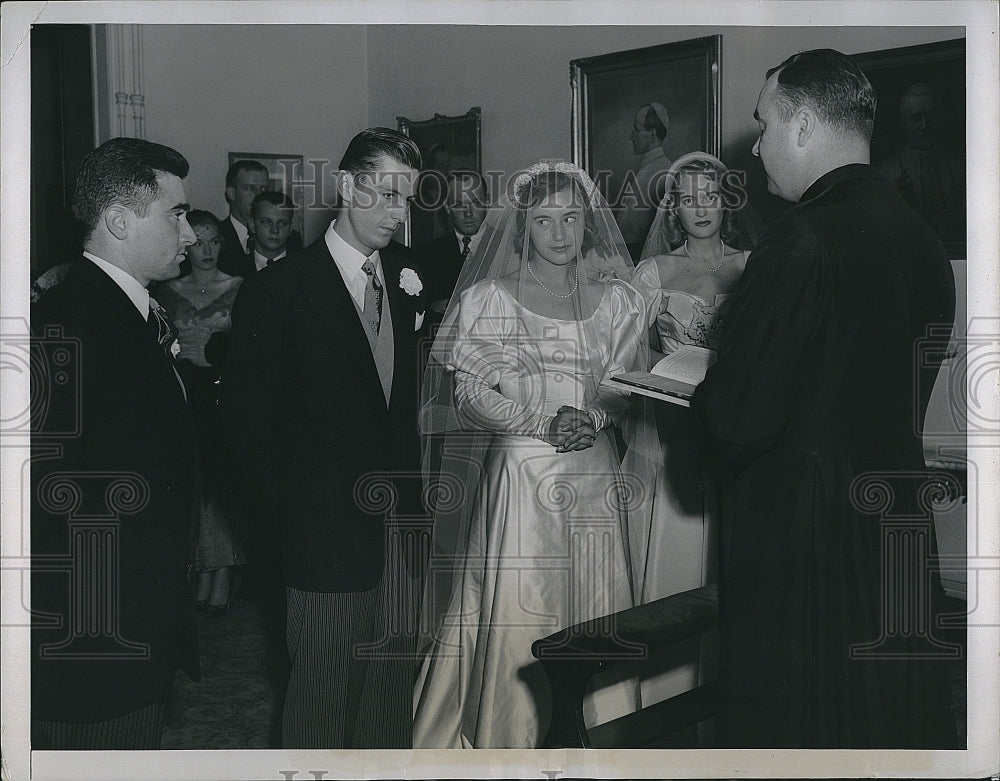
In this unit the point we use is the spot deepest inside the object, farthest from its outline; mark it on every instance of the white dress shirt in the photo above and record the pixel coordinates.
(472, 244)
(349, 262)
(260, 261)
(242, 231)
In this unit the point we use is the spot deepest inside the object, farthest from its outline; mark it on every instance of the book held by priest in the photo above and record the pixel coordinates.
(672, 379)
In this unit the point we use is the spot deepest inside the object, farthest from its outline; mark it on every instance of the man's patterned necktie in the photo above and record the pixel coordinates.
(163, 330)
(466, 241)
(373, 297)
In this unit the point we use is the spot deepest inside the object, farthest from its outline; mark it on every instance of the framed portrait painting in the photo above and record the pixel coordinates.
(635, 111)
(446, 144)
(284, 174)
(918, 141)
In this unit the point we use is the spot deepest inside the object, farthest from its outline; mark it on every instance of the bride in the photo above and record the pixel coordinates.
(532, 493)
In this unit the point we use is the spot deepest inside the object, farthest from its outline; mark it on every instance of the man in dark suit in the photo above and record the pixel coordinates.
(113, 519)
(442, 258)
(245, 180)
(271, 217)
(321, 399)
(829, 596)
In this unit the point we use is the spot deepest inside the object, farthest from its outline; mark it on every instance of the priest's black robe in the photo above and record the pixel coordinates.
(812, 415)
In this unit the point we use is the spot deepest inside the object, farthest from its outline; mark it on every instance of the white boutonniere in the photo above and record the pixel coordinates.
(410, 282)
(175, 348)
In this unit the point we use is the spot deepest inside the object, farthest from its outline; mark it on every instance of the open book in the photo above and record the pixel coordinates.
(674, 378)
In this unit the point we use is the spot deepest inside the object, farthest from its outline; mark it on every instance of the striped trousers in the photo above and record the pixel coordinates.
(135, 731)
(353, 664)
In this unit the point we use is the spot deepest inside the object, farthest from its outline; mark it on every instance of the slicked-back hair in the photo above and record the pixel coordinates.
(122, 171)
(243, 165)
(276, 197)
(369, 145)
(832, 85)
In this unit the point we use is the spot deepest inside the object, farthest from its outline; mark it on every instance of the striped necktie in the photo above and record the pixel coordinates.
(373, 297)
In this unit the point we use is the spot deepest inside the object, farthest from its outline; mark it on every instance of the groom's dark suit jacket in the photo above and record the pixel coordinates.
(308, 418)
(109, 411)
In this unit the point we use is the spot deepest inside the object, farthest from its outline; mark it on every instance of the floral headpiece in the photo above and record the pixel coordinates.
(522, 183)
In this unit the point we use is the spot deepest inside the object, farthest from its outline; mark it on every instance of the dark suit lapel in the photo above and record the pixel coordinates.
(326, 291)
(247, 265)
(404, 311)
(402, 317)
(234, 258)
(110, 298)
(230, 235)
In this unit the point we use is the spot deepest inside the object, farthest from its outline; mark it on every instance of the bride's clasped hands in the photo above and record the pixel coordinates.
(571, 429)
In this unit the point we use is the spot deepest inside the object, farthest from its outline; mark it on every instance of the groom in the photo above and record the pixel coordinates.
(321, 397)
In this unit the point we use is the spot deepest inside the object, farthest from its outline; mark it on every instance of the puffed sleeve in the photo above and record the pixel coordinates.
(627, 334)
(647, 282)
(481, 353)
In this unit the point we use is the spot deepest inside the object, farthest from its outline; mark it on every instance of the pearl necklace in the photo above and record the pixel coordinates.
(721, 260)
(576, 284)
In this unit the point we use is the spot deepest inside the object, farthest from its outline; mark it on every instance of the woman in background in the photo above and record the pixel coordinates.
(199, 305)
(692, 260)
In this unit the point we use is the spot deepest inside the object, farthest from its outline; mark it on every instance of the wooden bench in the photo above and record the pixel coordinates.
(573, 655)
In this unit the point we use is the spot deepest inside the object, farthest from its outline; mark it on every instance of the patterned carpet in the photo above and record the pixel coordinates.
(237, 705)
(244, 667)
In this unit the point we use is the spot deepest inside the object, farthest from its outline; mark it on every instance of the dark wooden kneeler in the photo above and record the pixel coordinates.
(573, 655)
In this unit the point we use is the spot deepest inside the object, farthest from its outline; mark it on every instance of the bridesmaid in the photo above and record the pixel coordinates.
(691, 262)
(199, 303)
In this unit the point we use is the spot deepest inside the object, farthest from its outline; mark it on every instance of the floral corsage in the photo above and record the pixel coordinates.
(410, 282)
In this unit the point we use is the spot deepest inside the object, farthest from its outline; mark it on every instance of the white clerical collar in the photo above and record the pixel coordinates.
(349, 259)
(130, 286)
(653, 154)
(241, 232)
(260, 260)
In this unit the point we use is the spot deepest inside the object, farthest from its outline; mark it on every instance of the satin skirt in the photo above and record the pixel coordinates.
(545, 549)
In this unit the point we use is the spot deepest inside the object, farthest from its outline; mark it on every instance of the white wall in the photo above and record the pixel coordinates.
(520, 76)
(306, 89)
(283, 89)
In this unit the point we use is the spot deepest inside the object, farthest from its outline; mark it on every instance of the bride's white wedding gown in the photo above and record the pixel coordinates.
(546, 544)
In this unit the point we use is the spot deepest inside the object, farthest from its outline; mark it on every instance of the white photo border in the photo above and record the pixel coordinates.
(979, 760)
